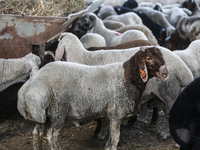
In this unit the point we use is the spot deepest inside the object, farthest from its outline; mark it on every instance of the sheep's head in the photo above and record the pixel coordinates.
(189, 4)
(175, 42)
(85, 22)
(145, 64)
(152, 63)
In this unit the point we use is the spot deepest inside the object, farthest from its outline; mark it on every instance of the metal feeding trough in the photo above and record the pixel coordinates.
(21, 35)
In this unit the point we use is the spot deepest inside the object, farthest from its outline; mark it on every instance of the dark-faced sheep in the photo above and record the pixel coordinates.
(112, 90)
(187, 30)
(184, 120)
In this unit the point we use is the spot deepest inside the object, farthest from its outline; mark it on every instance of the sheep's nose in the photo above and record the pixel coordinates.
(163, 72)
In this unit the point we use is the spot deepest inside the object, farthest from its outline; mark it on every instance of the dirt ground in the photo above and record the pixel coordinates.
(16, 134)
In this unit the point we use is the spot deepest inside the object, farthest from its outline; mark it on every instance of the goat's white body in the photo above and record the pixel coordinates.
(17, 70)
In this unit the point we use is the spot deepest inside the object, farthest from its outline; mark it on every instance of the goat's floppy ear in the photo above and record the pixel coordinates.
(143, 67)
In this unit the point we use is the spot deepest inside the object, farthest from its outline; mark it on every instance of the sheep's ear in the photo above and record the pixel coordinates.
(60, 51)
(143, 68)
(184, 135)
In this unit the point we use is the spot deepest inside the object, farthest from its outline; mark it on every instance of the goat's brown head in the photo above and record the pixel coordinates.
(84, 23)
(145, 64)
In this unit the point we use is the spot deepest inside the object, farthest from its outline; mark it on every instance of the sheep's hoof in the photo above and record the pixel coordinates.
(98, 137)
(164, 135)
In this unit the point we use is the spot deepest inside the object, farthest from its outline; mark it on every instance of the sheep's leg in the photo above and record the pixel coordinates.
(166, 133)
(53, 138)
(154, 118)
(38, 134)
(104, 130)
(113, 135)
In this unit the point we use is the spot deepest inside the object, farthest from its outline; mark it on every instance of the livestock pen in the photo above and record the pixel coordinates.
(21, 34)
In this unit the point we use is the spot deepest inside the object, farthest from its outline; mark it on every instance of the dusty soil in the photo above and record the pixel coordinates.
(16, 134)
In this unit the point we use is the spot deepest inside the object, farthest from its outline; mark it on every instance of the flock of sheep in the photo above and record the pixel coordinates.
(113, 64)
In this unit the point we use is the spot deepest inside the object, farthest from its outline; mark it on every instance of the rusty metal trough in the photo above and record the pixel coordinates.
(22, 35)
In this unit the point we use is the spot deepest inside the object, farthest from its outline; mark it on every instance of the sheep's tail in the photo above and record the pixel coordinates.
(33, 101)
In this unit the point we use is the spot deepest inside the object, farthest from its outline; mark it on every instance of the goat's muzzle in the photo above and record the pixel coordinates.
(163, 72)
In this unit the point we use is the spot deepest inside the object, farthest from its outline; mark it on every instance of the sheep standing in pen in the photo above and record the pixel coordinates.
(17, 69)
(111, 90)
(92, 39)
(151, 38)
(125, 45)
(91, 23)
(184, 120)
(129, 18)
(187, 30)
(192, 5)
(191, 57)
(167, 91)
(158, 31)
(157, 17)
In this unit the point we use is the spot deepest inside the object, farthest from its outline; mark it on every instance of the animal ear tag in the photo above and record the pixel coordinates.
(142, 74)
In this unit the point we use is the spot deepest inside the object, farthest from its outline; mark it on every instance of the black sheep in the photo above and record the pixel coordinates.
(184, 120)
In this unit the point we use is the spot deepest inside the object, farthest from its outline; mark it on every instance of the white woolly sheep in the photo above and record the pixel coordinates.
(129, 18)
(17, 69)
(114, 2)
(191, 57)
(157, 17)
(92, 39)
(121, 28)
(167, 91)
(106, 11)
(113, 25)
(91, 23)
(151, 38)
(145, 4)
(112, 90)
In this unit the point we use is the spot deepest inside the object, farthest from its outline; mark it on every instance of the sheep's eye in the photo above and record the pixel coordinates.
(148, 58)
